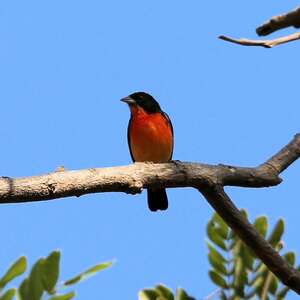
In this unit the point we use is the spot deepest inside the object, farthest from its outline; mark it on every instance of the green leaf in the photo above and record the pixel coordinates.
(277, 233)
(261, 225)
(223, 296)
(148, 294)
(218, 279)
(232, 235)
(67, 296)
(236, 297)
(237, 247)
(247, 257)
(51, 271)
(281, 295)
(232, 242)
(258, 280)
(240, 277)
(35, 281)
(244, 213)
(258, 284)
(165, 292)
(261, 268)
(216, 253)
(222, 227)
(181, 294)
(88, 273)
(214, 236)
(18, 268)
(290, 257)
(23, 290)
(9, 294)
(217, 264)
(273, 285)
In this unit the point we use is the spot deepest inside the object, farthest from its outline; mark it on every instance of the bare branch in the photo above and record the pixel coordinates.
(285, 157)
(223, 205)
(130, 179)
(220, 201)
(262, 43)
(133, 178)
(291, 18)
(208, 179)
(275, 23)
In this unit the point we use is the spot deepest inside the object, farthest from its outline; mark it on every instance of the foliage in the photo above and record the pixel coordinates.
(161, 292)
(42, 280)
(236, 270)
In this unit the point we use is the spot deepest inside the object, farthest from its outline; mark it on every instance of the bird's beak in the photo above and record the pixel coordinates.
(128, 100)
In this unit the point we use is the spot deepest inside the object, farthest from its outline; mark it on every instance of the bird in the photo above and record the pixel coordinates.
(150, 138)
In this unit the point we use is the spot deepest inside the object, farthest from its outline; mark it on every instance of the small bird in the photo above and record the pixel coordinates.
(150, 138)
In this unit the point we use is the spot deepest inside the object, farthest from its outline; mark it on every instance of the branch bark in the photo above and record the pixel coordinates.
(131, 179)
(289, 19)
(276, 23)
(208, 179)
(262, 43)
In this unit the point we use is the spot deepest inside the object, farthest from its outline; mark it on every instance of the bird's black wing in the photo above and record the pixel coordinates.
(169, 121)
(128, 138)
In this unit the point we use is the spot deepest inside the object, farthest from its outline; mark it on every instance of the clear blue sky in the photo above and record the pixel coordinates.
(64, 65)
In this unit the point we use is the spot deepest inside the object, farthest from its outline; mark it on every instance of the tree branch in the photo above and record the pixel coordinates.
(223, 205)
(285, 157)
(209, 179)
(291, 18)
(220, 201)
(130, 179)
(262, 43)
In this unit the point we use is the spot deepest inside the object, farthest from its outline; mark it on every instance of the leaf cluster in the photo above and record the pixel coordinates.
(234, 267)
(42, 281)
(161, 292)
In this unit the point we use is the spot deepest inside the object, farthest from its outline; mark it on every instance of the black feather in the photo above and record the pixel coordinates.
(146, 101)
(157, 199)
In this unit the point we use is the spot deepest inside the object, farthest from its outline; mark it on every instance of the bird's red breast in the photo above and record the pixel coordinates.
(150, 136)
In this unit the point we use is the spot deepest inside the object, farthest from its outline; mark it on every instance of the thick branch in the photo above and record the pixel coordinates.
(130, 179)
(207, 178)
(291, 18)
(220, 201)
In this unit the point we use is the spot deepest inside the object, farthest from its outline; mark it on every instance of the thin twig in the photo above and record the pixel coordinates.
(214, 294)
(266, 286)
(291, 18)
(262, 43)
(285, 157)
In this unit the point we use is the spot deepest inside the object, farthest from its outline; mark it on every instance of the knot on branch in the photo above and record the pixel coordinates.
(134, 186)
(50, 188)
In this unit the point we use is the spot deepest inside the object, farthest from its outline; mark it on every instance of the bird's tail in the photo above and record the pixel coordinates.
(157, 199)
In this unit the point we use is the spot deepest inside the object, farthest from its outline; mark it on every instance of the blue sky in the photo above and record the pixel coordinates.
(64, 65)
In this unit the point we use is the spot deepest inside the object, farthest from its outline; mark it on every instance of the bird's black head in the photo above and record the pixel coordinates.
(144, 100)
